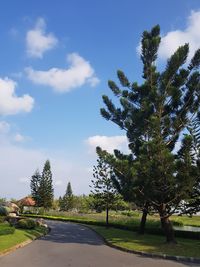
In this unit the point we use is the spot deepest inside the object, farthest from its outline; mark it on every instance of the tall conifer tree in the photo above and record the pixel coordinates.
(35, 185)
(46, 190)
(154, 116)
(66, 202)
(103, 190)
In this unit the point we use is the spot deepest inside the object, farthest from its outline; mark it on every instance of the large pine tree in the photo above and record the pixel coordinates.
(46, 190)
(35, 185)
(154, 116)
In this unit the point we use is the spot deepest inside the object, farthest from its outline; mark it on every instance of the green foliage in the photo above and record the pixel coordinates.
(192, 204)
(2, 218)
(83, 203)
(46, 186)
(6, 229)
(35, 188)
(45, 191)
(102, 186)
(3, 211)
(26, 224)
(2, 200)
(104, 193)
(154, 115)
(67, 201)
(128, 213)
(42, 187)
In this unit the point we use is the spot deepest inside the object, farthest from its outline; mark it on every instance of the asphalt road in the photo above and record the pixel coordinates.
(72, 245)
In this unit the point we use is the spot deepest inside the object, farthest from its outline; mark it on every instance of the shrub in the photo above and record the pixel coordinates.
(3, 211)
(177, 222)
(6, 229)
(26, 224)
(128, 213)
(2, 219)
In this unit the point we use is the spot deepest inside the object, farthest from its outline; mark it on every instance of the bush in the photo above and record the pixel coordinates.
(28, 212)
(6, 229)
(2, 219)
(177, 222)
(4, 211)
(26, 224)
(128, 213)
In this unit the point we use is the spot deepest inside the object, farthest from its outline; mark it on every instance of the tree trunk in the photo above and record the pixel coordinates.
(143, 220)
(107, 210)
(168, 230)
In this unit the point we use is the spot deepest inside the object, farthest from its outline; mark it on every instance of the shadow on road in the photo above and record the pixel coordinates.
(72, 233)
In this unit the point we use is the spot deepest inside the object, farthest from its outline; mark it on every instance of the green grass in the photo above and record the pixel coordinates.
(189, 221)
(10, 237)
(149, 243)
(119, 218)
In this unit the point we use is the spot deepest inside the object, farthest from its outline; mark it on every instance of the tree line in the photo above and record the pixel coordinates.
(43, 194)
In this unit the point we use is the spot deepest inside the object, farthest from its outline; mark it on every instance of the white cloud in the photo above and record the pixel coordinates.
(38, 41)
(19, 138)
(108, 143)
(64, 80)
(173, 39)
(10, 103)
(8, 134)
(4, 127)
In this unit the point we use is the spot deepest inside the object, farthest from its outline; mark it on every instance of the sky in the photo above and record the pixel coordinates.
(56, 58)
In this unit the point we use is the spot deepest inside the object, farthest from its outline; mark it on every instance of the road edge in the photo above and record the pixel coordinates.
(145, 254)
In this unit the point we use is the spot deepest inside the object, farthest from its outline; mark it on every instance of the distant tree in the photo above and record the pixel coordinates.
(46, 191)
(35, 187)
(104, 193)
(126, 182)
(2, 200)
(69, 192)
(66, 202)
(154, 116)
(55, 205)
(82, 203)
(60, 202)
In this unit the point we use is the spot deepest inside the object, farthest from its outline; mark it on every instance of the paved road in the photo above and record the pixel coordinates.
(72, 245)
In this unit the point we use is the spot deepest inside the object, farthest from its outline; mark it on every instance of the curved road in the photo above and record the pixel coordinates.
(72, 245)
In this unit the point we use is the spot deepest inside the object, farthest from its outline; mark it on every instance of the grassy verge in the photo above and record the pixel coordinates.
(149, 243)
(11, 237)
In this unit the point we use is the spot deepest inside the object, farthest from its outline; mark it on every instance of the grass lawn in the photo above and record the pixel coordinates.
(10, 237)
(149, 243)
(130, 221)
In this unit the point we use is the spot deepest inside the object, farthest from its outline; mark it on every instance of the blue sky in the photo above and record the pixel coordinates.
(56, 58)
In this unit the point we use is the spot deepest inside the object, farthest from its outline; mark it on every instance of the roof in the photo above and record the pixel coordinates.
(27, 201)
